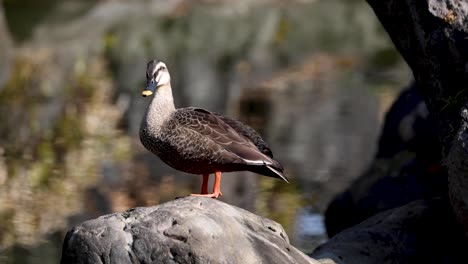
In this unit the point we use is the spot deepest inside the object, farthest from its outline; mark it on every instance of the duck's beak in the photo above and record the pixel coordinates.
(150, 87)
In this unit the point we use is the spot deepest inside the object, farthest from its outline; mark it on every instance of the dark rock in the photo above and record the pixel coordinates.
(406, 167)
(409, 127)
(186, 230)
(419, 232)
(432, 36)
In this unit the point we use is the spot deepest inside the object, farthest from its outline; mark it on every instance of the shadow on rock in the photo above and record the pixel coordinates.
(423, 231)
(406, 167)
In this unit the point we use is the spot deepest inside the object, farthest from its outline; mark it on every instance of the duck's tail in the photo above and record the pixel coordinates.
(270, 168)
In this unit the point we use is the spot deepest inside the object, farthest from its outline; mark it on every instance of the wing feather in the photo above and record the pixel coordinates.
(247, 132)
(211, 126)
(226, 143)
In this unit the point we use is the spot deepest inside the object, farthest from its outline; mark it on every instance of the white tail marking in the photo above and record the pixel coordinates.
(277, 173)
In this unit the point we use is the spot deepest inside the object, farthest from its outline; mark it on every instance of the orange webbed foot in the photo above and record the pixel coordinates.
(216, 188)
(209, 195)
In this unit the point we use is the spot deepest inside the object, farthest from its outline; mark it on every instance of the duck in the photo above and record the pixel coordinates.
(197, 141)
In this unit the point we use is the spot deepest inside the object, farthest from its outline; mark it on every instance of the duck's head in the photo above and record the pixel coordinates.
(157, 75)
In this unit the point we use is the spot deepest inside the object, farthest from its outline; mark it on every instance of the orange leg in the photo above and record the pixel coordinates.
(204, 187)
(216, 188)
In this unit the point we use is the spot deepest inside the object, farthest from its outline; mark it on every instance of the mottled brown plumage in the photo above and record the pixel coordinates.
(198, 141)
(247, 132)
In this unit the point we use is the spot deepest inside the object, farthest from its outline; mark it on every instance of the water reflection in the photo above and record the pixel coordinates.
(309, 229)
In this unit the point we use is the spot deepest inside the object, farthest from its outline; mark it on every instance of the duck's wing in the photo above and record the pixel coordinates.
(209, 126)
(247, 132)
(228, 143)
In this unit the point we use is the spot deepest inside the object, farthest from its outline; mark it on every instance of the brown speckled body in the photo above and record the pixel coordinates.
(181, 145)
(197, 141)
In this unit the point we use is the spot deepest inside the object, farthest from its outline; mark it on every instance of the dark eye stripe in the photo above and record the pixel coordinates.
(157, 71)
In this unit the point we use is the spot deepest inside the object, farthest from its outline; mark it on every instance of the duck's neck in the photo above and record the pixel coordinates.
(160, 108)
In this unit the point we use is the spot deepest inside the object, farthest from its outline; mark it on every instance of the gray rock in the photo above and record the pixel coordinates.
(186, 230)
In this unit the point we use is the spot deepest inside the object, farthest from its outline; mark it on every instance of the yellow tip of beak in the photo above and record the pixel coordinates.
(146, 93)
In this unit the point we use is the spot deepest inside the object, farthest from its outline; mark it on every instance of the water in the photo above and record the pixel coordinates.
(309, 229)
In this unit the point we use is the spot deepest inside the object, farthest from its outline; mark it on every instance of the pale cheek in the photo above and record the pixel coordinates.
(164, 79)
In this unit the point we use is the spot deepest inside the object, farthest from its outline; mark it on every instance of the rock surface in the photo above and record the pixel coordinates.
(186, 230)
(419, 232)
(432, 36)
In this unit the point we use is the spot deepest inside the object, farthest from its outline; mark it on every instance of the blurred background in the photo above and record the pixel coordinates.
(314, 77)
